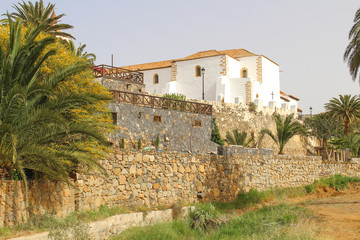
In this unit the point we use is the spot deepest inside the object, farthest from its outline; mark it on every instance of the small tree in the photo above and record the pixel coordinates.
(157, 142)
(238, 138)
(285, 130)
(215, 134)
(323, 128)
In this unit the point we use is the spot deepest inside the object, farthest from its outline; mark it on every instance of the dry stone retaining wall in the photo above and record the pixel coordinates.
(154, 178)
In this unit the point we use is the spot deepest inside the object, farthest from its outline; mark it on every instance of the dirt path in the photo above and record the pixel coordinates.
(339, 214)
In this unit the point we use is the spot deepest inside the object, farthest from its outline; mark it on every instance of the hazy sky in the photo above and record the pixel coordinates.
(307, 38)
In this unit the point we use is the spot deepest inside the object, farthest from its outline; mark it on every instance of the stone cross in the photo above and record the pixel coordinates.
(272, 95)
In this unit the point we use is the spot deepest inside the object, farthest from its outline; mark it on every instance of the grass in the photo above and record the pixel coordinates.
(276, 222)
(47, 222)
(337, 182)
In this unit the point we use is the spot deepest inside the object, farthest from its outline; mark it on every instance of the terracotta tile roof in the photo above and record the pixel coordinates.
(234, 53)
(285, 99)
(148, 66)
(290, 96)
(299, 110)
(203, 54)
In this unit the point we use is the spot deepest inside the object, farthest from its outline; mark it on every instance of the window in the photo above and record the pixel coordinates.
(197, 123)
(244, 73)
(197, 71)
(157, 118)
(156, 79)
(114, 117)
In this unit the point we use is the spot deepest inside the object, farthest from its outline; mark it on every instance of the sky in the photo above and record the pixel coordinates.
(307, 38)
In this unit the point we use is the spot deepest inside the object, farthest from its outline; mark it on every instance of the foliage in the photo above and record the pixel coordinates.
(285, 130)
(80, 52)
(352, 53)
(251, 107)
(176, 96)
(205, 217)
(47, 129)
(275, 222)
(34, 15)
(337, 182)
(351, 141)
(238, 138)
(157, 142)
(215, 134)
(323, 127)
(70, 231)
(346, 107)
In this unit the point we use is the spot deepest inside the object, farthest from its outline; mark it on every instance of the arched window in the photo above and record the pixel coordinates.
(156, 79)
(197, 71)
(244, 73)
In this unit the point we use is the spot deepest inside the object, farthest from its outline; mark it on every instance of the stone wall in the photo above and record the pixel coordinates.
(165, 178)
(44, 197)
(122, 85)
(238, 116)
(178, 131)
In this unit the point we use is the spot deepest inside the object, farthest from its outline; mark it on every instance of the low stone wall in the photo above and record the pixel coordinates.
(114, 225)
(154, 178)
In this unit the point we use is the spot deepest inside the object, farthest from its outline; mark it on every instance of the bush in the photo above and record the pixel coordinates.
(253, 197)
(205, 217)
(215, 134)
(176, 96)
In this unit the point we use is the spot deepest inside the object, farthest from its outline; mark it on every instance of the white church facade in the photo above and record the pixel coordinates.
(230, 76)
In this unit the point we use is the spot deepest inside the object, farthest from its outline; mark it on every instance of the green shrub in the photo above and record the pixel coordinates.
(176, 96)
(309, 188)
(251, 198)
(215, 134)
(205, 217)
(157, 142)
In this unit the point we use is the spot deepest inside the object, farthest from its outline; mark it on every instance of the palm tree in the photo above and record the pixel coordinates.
(347, 108)
(80, 52)
(285, 130)
(352, 52)
(36, 128)
(37, 14)
(237, 138)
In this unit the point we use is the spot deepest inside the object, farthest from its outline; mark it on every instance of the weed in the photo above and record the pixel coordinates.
(205, 217)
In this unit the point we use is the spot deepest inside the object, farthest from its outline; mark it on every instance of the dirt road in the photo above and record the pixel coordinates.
(338, 215)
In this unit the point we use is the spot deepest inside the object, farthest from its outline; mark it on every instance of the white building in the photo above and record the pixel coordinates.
(230, 76)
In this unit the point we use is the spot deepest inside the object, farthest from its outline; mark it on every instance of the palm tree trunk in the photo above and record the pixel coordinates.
(346, 126)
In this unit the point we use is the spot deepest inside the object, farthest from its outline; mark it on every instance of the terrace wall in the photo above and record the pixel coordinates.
(178, 131)
(154, 178)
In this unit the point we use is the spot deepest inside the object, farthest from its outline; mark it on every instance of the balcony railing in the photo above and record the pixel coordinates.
(161, 102)
(118, 73)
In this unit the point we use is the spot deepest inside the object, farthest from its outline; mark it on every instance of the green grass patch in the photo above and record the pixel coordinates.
(276, 222)
(337, 182)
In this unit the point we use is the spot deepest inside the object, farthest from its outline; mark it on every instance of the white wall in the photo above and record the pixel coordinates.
(164, 77)
(234, 68)
(250, 64)
(270, 82)
(190, 85)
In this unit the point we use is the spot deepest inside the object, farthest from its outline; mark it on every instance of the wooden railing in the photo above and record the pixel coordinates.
(160, 102)
(118, 73)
